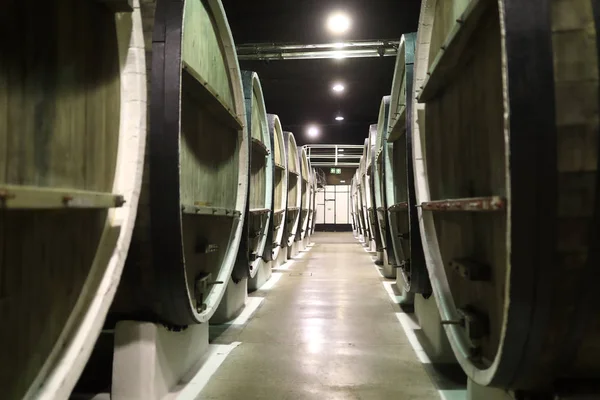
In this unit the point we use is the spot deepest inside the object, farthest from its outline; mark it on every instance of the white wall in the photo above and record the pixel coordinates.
(333, 205)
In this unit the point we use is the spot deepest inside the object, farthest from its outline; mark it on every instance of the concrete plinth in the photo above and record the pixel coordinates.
(150, 360)
(408, 298)
(372, 246)
(433, 337)
(281, 258)
(387, 269)
(293, 250)
(476, 392)
(233, 302)
(263, 274)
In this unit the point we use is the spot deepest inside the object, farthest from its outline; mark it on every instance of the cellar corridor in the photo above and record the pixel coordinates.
(325, 329)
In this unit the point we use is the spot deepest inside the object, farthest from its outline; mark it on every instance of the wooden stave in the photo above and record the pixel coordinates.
(275, 238)
(70, 343)
(370, 182)
(531, 362)
(245, 265)
(380, 179)
(305, 196)
(293, 206)
(312, 208)
(416, 278)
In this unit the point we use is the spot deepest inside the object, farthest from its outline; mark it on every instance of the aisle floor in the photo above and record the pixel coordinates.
(326, 329)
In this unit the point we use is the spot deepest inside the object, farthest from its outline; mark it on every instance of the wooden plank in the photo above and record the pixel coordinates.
(399, 127)
(31, 197)
(211, 211)
(199, 88)
(280, 166)
(258, 211)
(473, 204)
(398, 207)
(451, 56)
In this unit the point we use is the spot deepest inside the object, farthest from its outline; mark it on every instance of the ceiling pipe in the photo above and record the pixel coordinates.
(354, 49)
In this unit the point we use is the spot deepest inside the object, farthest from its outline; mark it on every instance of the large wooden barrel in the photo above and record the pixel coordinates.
(72, 133)
(399, 193)
(353, 199)
(305, 194)
(506, 166)
(370, 183)
(260, 190)
(196, 186)
(364, 191)
(280, 192)
(379, 178)
(294, 189)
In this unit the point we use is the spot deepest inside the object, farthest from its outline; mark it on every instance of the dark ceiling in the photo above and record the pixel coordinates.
(299, 91)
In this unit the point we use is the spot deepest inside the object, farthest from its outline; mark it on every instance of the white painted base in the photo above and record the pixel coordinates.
(305, 243)
(373, 246)
(293, 250)
(150, 361)
(379, 259)
(281, 259)
(263, 274)
(232, 303)
(388, 269)
(408, 298)
(476, 392)
(434, 338)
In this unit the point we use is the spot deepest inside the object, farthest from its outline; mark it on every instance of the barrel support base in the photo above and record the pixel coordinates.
(432, 336)
(388, 269)
(150, 361)
(407, 298)
(281, 258)
(232, 303)
(293, 250)
(263, 274)
(476, 392)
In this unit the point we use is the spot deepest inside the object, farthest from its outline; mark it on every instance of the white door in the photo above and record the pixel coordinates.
(330, 204)
(320, 202)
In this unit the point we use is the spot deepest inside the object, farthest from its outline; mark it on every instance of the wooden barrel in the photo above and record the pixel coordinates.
(399, 193)
(380, 178)
(370, 183)
(280, 192)
(294, 189)
(353, 216)
(196, 186)
(72, 133)
(506, 167)
(305, 194)
(260, 190)
(364, 191)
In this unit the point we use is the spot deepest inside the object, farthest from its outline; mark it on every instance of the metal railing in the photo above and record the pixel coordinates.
(334, 155)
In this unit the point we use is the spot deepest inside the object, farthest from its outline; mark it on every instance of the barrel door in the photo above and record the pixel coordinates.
(399, 176)
(260, 200)
(294, 190)
(506, 162)
(280, 190)
(379, 174)
(72, 133)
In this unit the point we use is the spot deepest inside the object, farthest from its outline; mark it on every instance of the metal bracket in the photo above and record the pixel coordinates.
(201, 287)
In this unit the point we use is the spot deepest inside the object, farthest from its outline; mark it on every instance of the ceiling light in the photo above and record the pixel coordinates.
(313, 131)
(338, 88)
(340, 150)
(339, 118)
(338, 22)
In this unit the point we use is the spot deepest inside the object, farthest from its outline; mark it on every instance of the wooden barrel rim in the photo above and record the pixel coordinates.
(293, 166)
(416, 277)
(254, 88)
(364, 192)
(276, 238)
(304, 194)
(371, 203)
(167, 236)
(527, 61)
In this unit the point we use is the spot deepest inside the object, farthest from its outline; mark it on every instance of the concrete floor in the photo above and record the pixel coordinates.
(326, 330)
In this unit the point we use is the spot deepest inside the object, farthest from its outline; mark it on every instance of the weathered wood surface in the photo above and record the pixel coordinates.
(370, 180)
(518, 121)
(72, 123)
(305, 173)
(364, 191)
